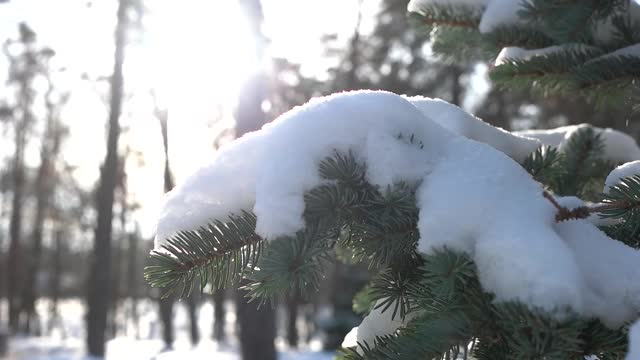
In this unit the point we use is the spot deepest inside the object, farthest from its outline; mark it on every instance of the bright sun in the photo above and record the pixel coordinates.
(203, 49)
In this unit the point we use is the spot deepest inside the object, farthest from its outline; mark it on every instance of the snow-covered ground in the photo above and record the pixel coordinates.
(130, 349)
(66, 341)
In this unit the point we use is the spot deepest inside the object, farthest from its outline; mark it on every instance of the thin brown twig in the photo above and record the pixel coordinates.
(583, 212)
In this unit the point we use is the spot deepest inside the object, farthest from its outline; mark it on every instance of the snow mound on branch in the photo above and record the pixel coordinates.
(472, 198)
(513, 53)
(455, 119)
(618, 146)
(499, 13)
(468, 189)
(610, 270)
(270, 170)
(418, 5)
(376, 324)
(625, 170)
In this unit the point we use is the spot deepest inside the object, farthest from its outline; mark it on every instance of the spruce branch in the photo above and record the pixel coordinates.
(569, 21)
(292, 264)
(219, 254)
(609, 208)
(545, 165)
(446, 15)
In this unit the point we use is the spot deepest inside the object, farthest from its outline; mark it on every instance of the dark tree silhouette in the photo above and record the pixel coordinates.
(165, 304)
(45, 183)
(100, 282)
(23, 69)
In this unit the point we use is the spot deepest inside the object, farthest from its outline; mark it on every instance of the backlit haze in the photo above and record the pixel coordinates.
(189, 57)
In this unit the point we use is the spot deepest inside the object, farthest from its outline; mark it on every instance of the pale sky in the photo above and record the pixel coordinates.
(194, 53)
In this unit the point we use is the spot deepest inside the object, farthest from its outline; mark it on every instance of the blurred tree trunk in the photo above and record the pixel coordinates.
(257, 326)
(457, 91)
(353, 62)
(54, 315)
(192, 310)
(118, 248)
(218, 316)
(24, 76)
(166, 304)
(293, 301)
(99, 284)
(44, 188)
(133, 283)
(14, 269)
(257, 329)
(2, 261)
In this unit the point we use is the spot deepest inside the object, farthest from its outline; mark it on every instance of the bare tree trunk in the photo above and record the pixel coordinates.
(33, 261)
(192, 309)
(2, 270)
(3, 334)
(133, 283)
(166, 304)
(99, 284)
(218, 316)
(456, 88)
(14, 263)
(166, 318)
(118, 245)
(257, 326)
(257, 329)
(54, 316)
(24, 68)
(292, 316)
(45, 183)
(350, 79)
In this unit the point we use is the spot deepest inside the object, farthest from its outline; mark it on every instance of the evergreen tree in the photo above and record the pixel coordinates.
(441, 302)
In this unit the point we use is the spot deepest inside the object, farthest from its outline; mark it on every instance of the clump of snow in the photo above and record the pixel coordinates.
(633, 50)
(625, 170)
(499, 13)
(468, 189)
(456, 120)
(618, 146)
(376, 324)
(515, 53)
(634, 342)
(609, 269)
(550, 137)
(418, 5)
(271, 169)
(351, 339)
(520, 252)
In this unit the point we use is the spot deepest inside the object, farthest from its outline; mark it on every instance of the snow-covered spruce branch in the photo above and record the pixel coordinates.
(591, 48)
(433, 198)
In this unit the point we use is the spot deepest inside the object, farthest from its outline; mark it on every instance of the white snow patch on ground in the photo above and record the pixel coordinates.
(128, 349)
